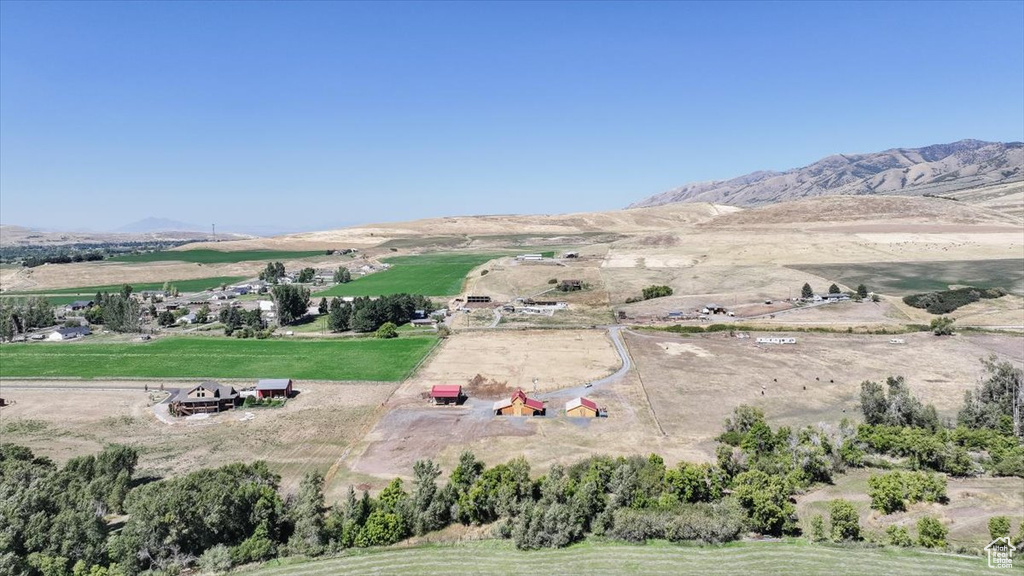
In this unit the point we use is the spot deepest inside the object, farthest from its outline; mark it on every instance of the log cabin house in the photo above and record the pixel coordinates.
(205, 398)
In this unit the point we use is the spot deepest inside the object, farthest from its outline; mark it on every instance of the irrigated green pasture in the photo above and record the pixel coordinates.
(903, 278)
(216, 256)
(428, 274)
(794, 558)
(213, 357)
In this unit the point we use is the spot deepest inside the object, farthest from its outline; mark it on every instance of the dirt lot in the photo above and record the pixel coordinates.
(311, 432)
(695, 383)
(555, 358)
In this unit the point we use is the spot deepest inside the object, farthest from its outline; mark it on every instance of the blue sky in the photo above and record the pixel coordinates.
(320, 114)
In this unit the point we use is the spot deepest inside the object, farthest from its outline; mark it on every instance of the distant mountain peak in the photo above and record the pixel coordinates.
(155, 224)
(935, 169)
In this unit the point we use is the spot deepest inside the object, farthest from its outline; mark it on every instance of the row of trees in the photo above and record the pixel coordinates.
(986, 435)
(19, 315)
(366, 315)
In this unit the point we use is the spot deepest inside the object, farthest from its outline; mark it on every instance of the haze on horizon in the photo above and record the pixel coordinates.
(301, 115)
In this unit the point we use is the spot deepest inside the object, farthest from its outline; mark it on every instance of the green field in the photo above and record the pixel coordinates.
(216, 256)
(334, 359)
(196, 285)
(429, 274)
(903, 278)
(789, 557)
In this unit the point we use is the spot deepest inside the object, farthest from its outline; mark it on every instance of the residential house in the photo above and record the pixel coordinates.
(79, 305)
(61, 334)
(205, 398)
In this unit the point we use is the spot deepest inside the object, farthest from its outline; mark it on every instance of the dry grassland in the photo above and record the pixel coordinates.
(555, 358)
(313, 431)
(695, 383)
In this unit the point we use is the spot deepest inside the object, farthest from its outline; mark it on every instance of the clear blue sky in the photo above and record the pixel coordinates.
(306, 115)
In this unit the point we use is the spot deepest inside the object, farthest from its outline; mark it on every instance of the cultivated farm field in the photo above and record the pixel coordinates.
(330, 359)
(791, 557)
(902, 278)
(202, 256)
(429, 275)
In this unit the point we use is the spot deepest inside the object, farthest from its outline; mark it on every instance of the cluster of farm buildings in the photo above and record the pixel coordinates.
(519, 404)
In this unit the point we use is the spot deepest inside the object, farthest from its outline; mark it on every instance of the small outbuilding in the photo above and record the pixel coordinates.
(582, 408)
(274, 388)
(519, 405)
(79, 305)
(445, 394)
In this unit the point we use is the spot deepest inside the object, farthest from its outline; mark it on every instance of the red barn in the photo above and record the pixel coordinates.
(447, 394)
(278, 388)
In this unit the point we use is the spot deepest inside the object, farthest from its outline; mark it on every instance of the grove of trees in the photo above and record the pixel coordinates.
(366, 315)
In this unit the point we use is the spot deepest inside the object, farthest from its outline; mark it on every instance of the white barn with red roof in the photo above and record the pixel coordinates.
(582, 408)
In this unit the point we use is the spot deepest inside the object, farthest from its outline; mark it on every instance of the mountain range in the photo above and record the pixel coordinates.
(937, 169)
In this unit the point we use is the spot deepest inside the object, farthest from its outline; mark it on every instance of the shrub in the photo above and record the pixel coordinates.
(638, 526)
(708, 522)
(387, 330)
(553, 281)
(817, 529)
(931, 533)
(891, 492)
(216, 559)
(942, 326)
(898, 536)
(656, 292)
(844, 519)
(998, 526)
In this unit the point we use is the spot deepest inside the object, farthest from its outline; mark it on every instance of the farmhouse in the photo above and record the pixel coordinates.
(79, 305)
(273, 388)
(713, 309)
(206, 398)
(519, 405)
(571, 285)
(581, 408)
(832, 297)
(442, 394)
(776, 340)
(69, 333)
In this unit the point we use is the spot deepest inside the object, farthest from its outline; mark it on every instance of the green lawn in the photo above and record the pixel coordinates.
(428, 274)
(903, 278)
(195, 285)
(790, 557)
(215, 357)
(216, 256)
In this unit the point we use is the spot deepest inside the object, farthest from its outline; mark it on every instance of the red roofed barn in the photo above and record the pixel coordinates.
(519, 405)
(447, 394)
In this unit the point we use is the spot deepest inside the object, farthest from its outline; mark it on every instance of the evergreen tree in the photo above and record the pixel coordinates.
(807, 291)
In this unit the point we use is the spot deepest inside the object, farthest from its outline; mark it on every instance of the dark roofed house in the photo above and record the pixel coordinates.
(443, 394)
(69, 333)
(205, 398)
(274, 388)
(79, 305)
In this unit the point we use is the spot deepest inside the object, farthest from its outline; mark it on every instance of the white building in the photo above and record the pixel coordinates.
(776, 340)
